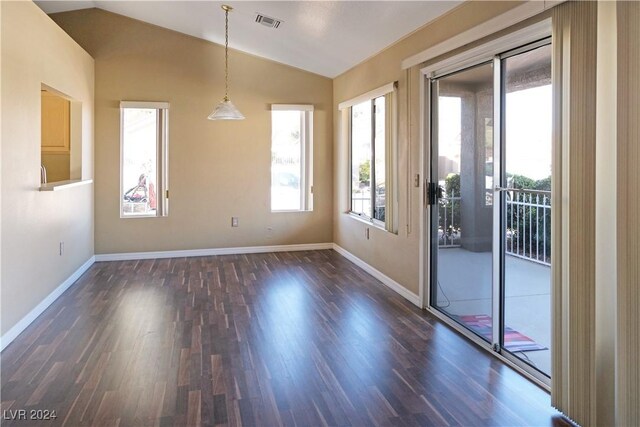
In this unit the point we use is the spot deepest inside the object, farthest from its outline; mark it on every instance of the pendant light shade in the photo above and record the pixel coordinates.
(225, 110)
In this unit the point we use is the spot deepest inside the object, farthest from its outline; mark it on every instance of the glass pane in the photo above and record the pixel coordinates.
(361, 158)
(527, 304)
(381, 160)
(464, 218)
(139, 161)
(286, 165)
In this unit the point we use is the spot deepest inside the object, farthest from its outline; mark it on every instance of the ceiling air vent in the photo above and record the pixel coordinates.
(267, 21)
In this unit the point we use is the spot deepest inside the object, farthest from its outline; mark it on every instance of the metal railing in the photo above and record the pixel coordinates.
(449, 230)
(527, 218)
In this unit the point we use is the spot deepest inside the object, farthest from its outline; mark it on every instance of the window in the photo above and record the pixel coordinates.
(291, 157)
(143, 159)
(372, 153)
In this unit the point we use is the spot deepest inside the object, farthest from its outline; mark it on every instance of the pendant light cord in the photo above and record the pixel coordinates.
(225, 110)
(226, 54)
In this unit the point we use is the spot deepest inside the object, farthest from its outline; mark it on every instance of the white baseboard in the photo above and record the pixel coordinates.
(213, 251)
(388, 281)
(12, 333)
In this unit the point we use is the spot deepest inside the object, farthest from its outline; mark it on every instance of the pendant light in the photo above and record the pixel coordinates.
(225, 110)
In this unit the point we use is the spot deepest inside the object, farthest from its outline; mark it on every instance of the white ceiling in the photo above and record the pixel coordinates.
(324, 37)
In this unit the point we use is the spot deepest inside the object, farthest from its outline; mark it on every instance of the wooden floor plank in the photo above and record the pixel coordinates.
(275, 339)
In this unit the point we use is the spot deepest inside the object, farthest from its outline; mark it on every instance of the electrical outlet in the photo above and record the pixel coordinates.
(234, 221)
(61, 248)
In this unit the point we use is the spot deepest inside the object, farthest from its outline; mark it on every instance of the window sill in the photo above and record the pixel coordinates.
(63, 185)
(368, 221)
(141, 216)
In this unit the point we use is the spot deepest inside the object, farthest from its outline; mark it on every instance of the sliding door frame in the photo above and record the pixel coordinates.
(495, 50)
(500, 201)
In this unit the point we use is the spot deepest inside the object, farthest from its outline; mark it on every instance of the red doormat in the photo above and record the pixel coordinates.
(514, 341)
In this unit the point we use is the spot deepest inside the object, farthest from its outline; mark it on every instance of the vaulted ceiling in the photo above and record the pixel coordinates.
(324, 37)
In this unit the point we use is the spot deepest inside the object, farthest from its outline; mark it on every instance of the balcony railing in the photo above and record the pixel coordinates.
(528, 224)
(449, 221)
(528, 218)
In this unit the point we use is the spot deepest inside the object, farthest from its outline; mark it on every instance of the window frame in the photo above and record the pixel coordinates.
(372, 162)
(388, 92)
(162, 156)
(306, 156)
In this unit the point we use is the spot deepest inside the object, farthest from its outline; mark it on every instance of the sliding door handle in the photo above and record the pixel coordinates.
(433, 193)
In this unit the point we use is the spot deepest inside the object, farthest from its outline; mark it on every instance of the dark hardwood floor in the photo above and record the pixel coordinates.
(302, 338)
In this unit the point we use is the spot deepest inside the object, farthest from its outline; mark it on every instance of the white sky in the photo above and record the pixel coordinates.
(528, 127)
(528, 131)
(450, 127)
(139, 146)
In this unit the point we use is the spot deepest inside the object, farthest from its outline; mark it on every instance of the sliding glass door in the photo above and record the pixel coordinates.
(526, 206)
(490, 202)
(462, 229)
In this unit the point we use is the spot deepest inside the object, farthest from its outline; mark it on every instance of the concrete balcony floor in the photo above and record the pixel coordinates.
(465, 289)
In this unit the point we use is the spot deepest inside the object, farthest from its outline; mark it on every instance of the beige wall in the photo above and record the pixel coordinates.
(1, 115)
(395, 255)
(36, 51)
(217, 169)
